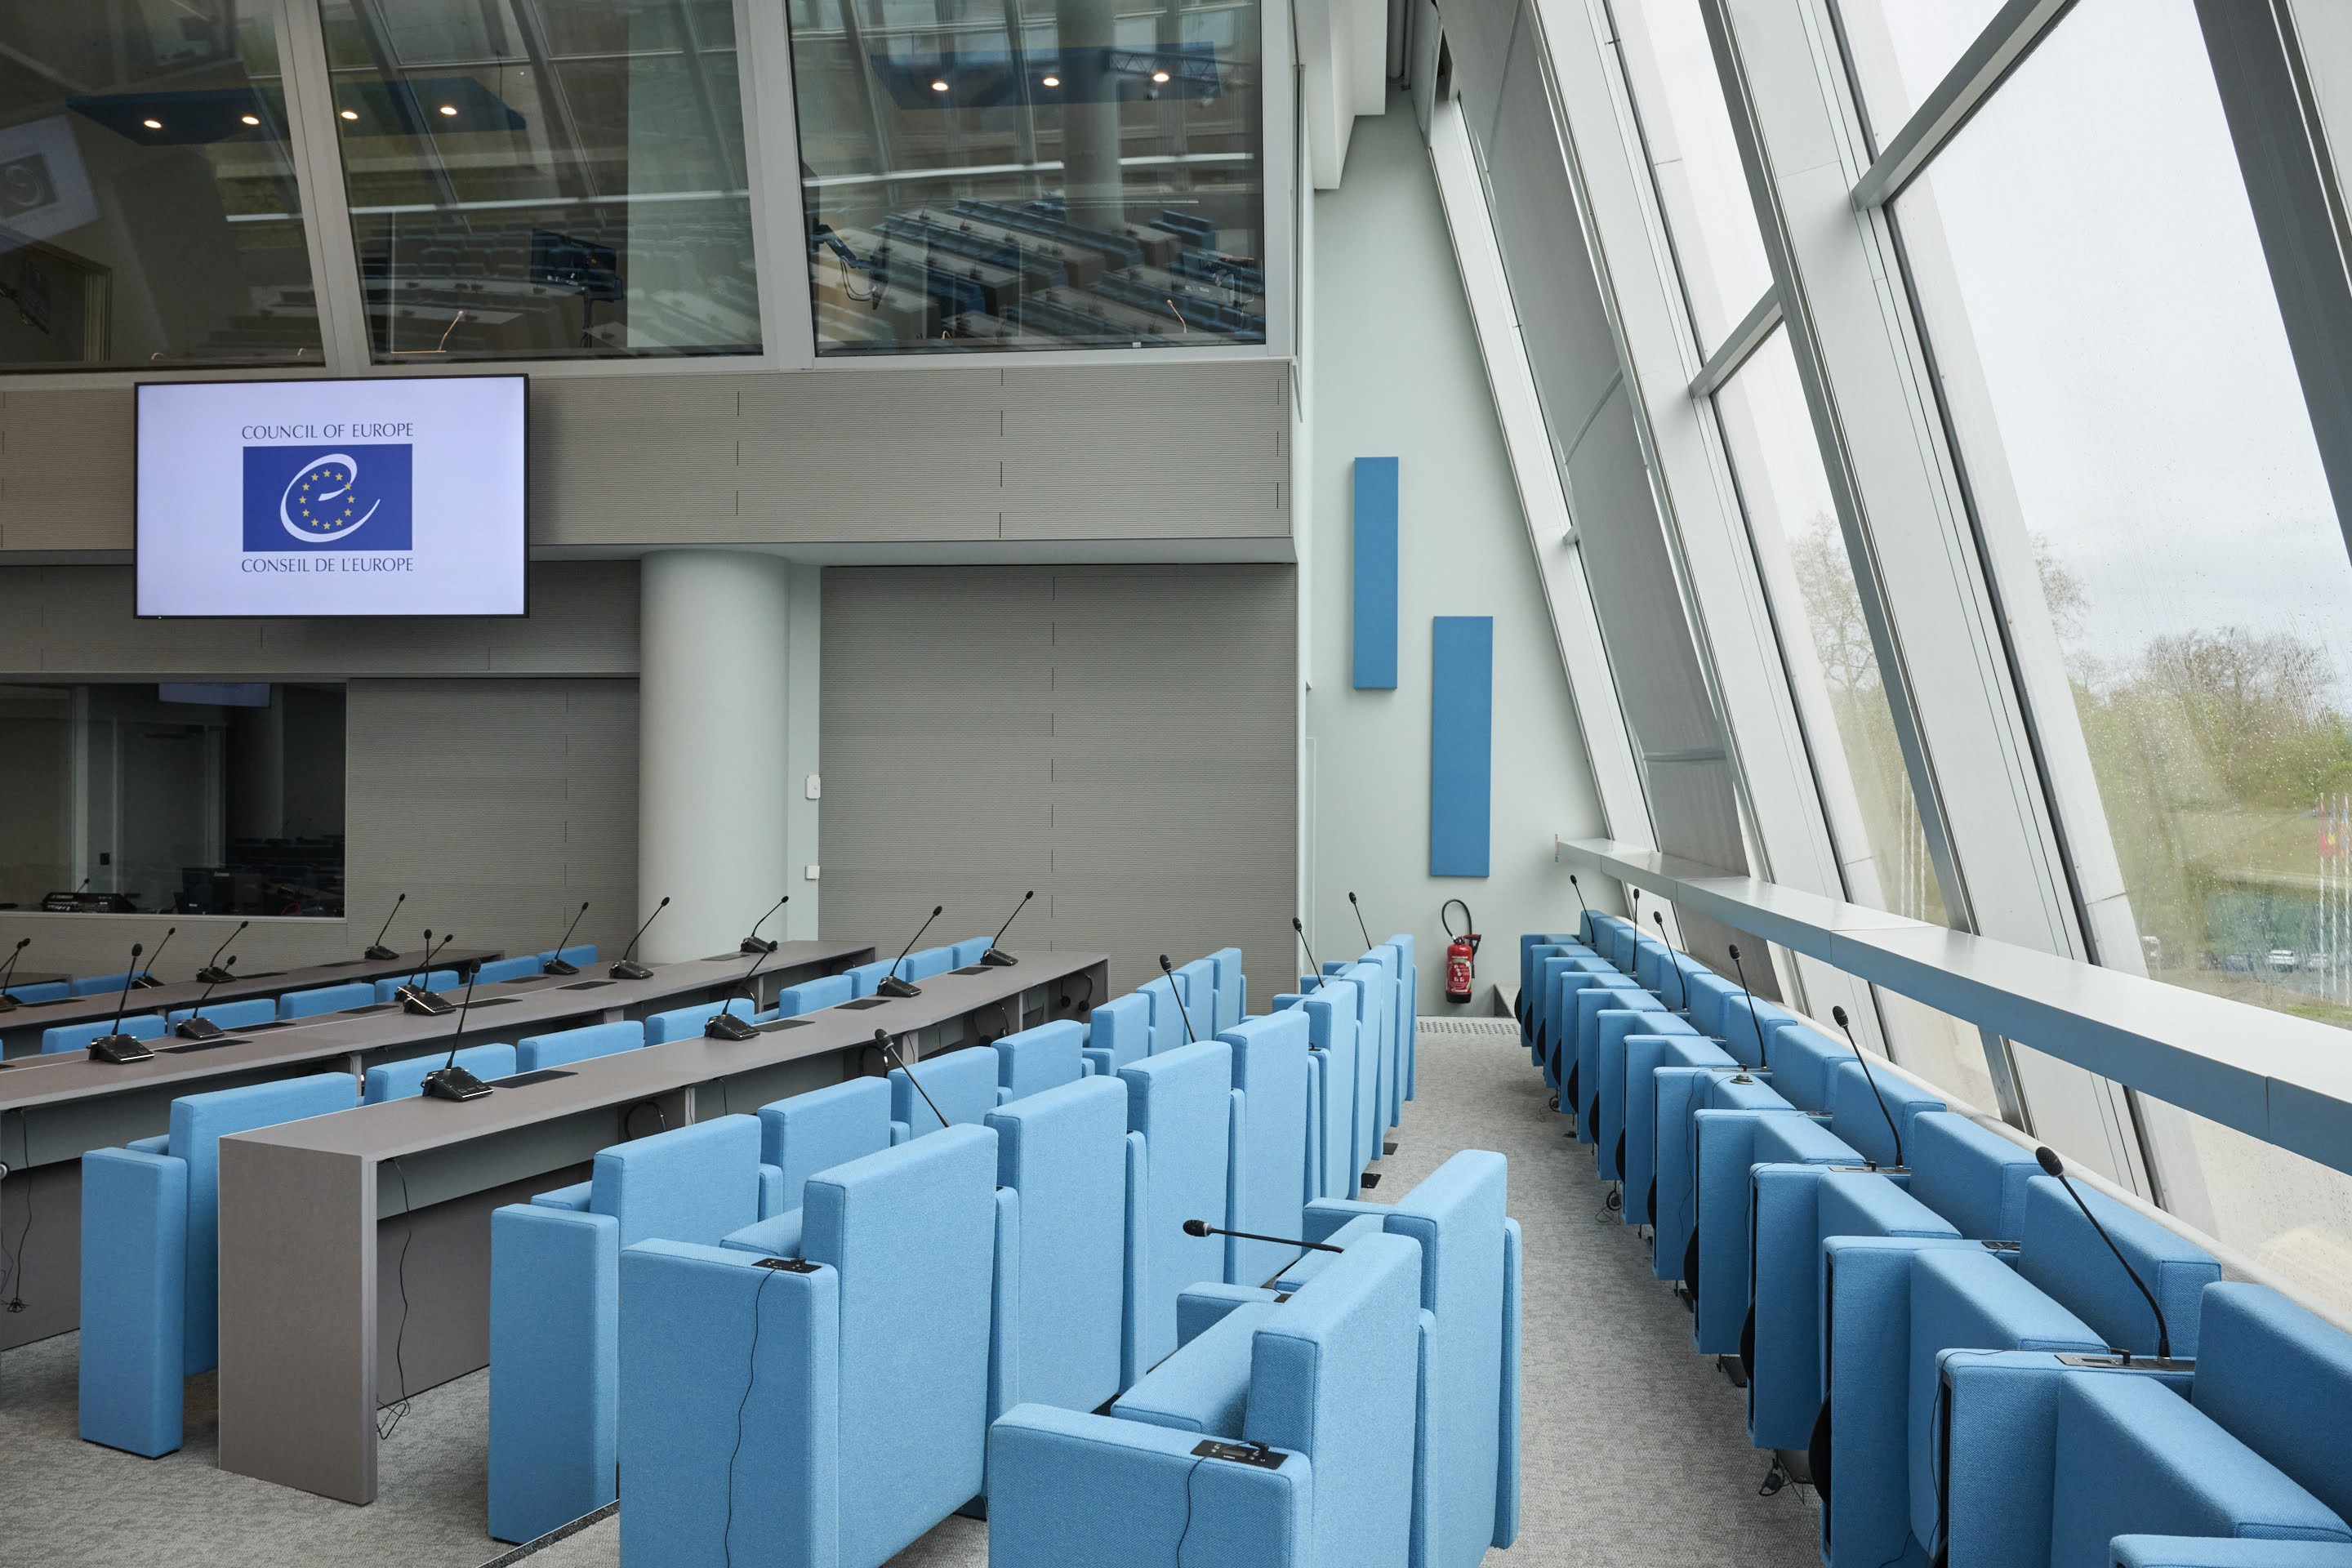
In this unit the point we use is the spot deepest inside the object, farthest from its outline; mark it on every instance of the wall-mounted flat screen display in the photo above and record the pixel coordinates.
(393, 496)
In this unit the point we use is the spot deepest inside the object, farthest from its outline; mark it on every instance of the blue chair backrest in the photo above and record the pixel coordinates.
(830, 991)
(199, 1121)
(580, 956)
(1333, 1374)
(864, 977)
(1041, 1058)
(325, 999)
(1123, 1028)
(1801, 1058)
(230, 1014)
(912, 1232)
(74, 1037)
(1855, 1113)
(1528, 942)
(1651, 963)
(578, 1045)
(1971, 1176)
(1233, 988)
(405, 1080)
(1200, 993)
(823, 1128)
(528, 967)
(962, 1084)
(385, 990)
(1168, 1011)
(1270, 1069)
(98, 984)
(965, 953)
(690, 1184)
(2064, 1256)
(1330, 1010)
(683, 1023)
(926, 962)
(1063, 1152)
(1181, 1102)
(41, 991)
(2279, 1380)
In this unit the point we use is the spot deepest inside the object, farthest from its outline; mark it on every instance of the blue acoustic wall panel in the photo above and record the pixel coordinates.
(1376, 574)
(1461, 744)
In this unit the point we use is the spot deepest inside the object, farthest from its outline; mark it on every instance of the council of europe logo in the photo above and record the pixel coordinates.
(328, 498)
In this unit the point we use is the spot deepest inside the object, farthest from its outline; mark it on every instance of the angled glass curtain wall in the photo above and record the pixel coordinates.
(148, 209)
(1071, 173)
(2118, 378)
(545, 178)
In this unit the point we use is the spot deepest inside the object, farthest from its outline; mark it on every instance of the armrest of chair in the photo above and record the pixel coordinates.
(778, 1236)
(1004, 1313)
(1236, 1182)
(1506, 1449)
(1317, 1065)
(773, 1200)
(1098, 1059)
(159, 1144)
(573, 1197)
(2222, 1552)
(1320, 1218)
(1052, 1470)
(554, 1366)
(134, 1261)
(1205, 1306)
(899, 1132)
(1204, 1386)
(1138, 1245)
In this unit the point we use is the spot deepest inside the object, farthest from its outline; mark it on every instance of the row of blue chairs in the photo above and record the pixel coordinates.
(1911, 1301)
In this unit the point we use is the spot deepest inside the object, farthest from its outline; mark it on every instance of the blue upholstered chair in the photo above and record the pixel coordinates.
(1559, 980)
(151, 1257)
(829, 991)
(2225, 1551)
(815, 1131)
(555, 1308)
(405, 1080)
(1233, 988)
(1615, 1018)
(529, 967)
(1893, 1305)
(2045, 1463)
(1408, 1007)
(320, 999)
(100, 985)
(863, 978)
(1375, 996)
(389, 990)
(1271, 1149)
(864, 1417)
(965, 953)
(579, 957)
(1041, 1058)
(76, 1037)
(1118, 1032)
(1535, 992)
(1200, 993)
(1334, 1064)
(1180, 1114)
(1326, 1378)
(924, 962)
(1169, 1010)
(684, 1022)
(1522, 1006)
(1683, 1094)
(568, 1046)
(41, 991)
(228, 1014)
(961, 1086)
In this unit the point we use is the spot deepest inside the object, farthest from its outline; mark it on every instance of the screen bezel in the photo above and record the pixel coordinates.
(137, 582)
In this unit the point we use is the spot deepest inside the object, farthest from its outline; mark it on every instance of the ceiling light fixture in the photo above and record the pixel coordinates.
(350, 114)
(448, 108)
(939, 87)
(1160, 76)
(1053, 81)
(250, 119)
(152, 124)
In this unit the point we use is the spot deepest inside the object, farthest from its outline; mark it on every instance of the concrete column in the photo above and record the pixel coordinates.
(713, 754)
(1091, 179)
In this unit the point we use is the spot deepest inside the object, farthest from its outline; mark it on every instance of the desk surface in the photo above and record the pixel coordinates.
(266, 983)
(509, 1010)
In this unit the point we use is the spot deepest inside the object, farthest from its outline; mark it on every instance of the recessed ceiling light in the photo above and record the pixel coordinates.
(939, 87)
(1053, 81)
(250, 119)
(448, 108)
(152, 124)
(350, 114)
(1160, 76)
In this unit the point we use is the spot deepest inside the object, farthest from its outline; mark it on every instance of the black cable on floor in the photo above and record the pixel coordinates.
(750, 1377)
(388, 1419)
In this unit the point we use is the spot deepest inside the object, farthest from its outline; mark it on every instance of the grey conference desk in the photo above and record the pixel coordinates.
(309, 1245)
(53, 1108)
(20, 1029)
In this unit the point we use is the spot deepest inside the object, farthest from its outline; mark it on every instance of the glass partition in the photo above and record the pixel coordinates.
(148, 210)
(545, 178)
(1903, 49)
(1076, 173)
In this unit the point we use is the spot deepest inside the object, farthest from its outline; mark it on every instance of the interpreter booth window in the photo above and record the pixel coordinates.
(545, 178)
(148, 208)
(191, 799)
(1054, 174)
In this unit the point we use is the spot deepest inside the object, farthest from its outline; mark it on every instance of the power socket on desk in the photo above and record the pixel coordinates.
(1258, 1454)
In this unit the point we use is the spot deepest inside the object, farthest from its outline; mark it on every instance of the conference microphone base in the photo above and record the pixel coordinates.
(997, 958)
(7, 1003)
(730, 1026)
(198, 1029)
(2181, 1365)
(755, 944)
(144, 982)
(891, 985)
(629, 969)
(557, 966)
(117, 1048)
(379, 953)
(429, 1004)
(213, 975)
(454, 1082)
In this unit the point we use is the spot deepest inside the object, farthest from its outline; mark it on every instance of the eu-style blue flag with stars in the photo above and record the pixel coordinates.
(328, 498)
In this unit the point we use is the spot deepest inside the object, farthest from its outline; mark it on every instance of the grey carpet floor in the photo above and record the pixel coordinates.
(1633, 1449)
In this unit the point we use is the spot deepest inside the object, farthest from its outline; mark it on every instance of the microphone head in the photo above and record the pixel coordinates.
(1196, 1227)
(1571, 878)
(23, 942)
(663, 904)
(881, 1036)
(1839, 1013)
(936, 909)
(1733, 948)
(136, 950)
(2051, 1163)
(1659, 916)
(242, 925)
(583, 906)
(229, 963)
(1166, 967)
(1295, 925)
(1351, 896)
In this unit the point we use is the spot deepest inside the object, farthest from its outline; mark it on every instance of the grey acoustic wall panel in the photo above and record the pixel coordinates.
(1122, 739)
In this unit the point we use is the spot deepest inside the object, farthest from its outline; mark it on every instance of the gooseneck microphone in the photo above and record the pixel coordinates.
(450, 1081)
(9, 969)
(377, 952)
(1660, 917)
(1203, 1228)
(1580, 904)
(145, 979)
(195, 1025)
(724, 1024)
(891, 985)
(1754, 1021)
(1359, 920)
(755, 942)
(556, 966)
(212, 974)
(890, 1053)
(1315, 970)
(115, 1046)
(626, 967)
(2056, 1167)
(996, 957)
(1870, 1078)
(418, 995)
(1167, 969)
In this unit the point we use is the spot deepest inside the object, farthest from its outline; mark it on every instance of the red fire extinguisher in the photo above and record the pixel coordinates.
(1460, 952)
